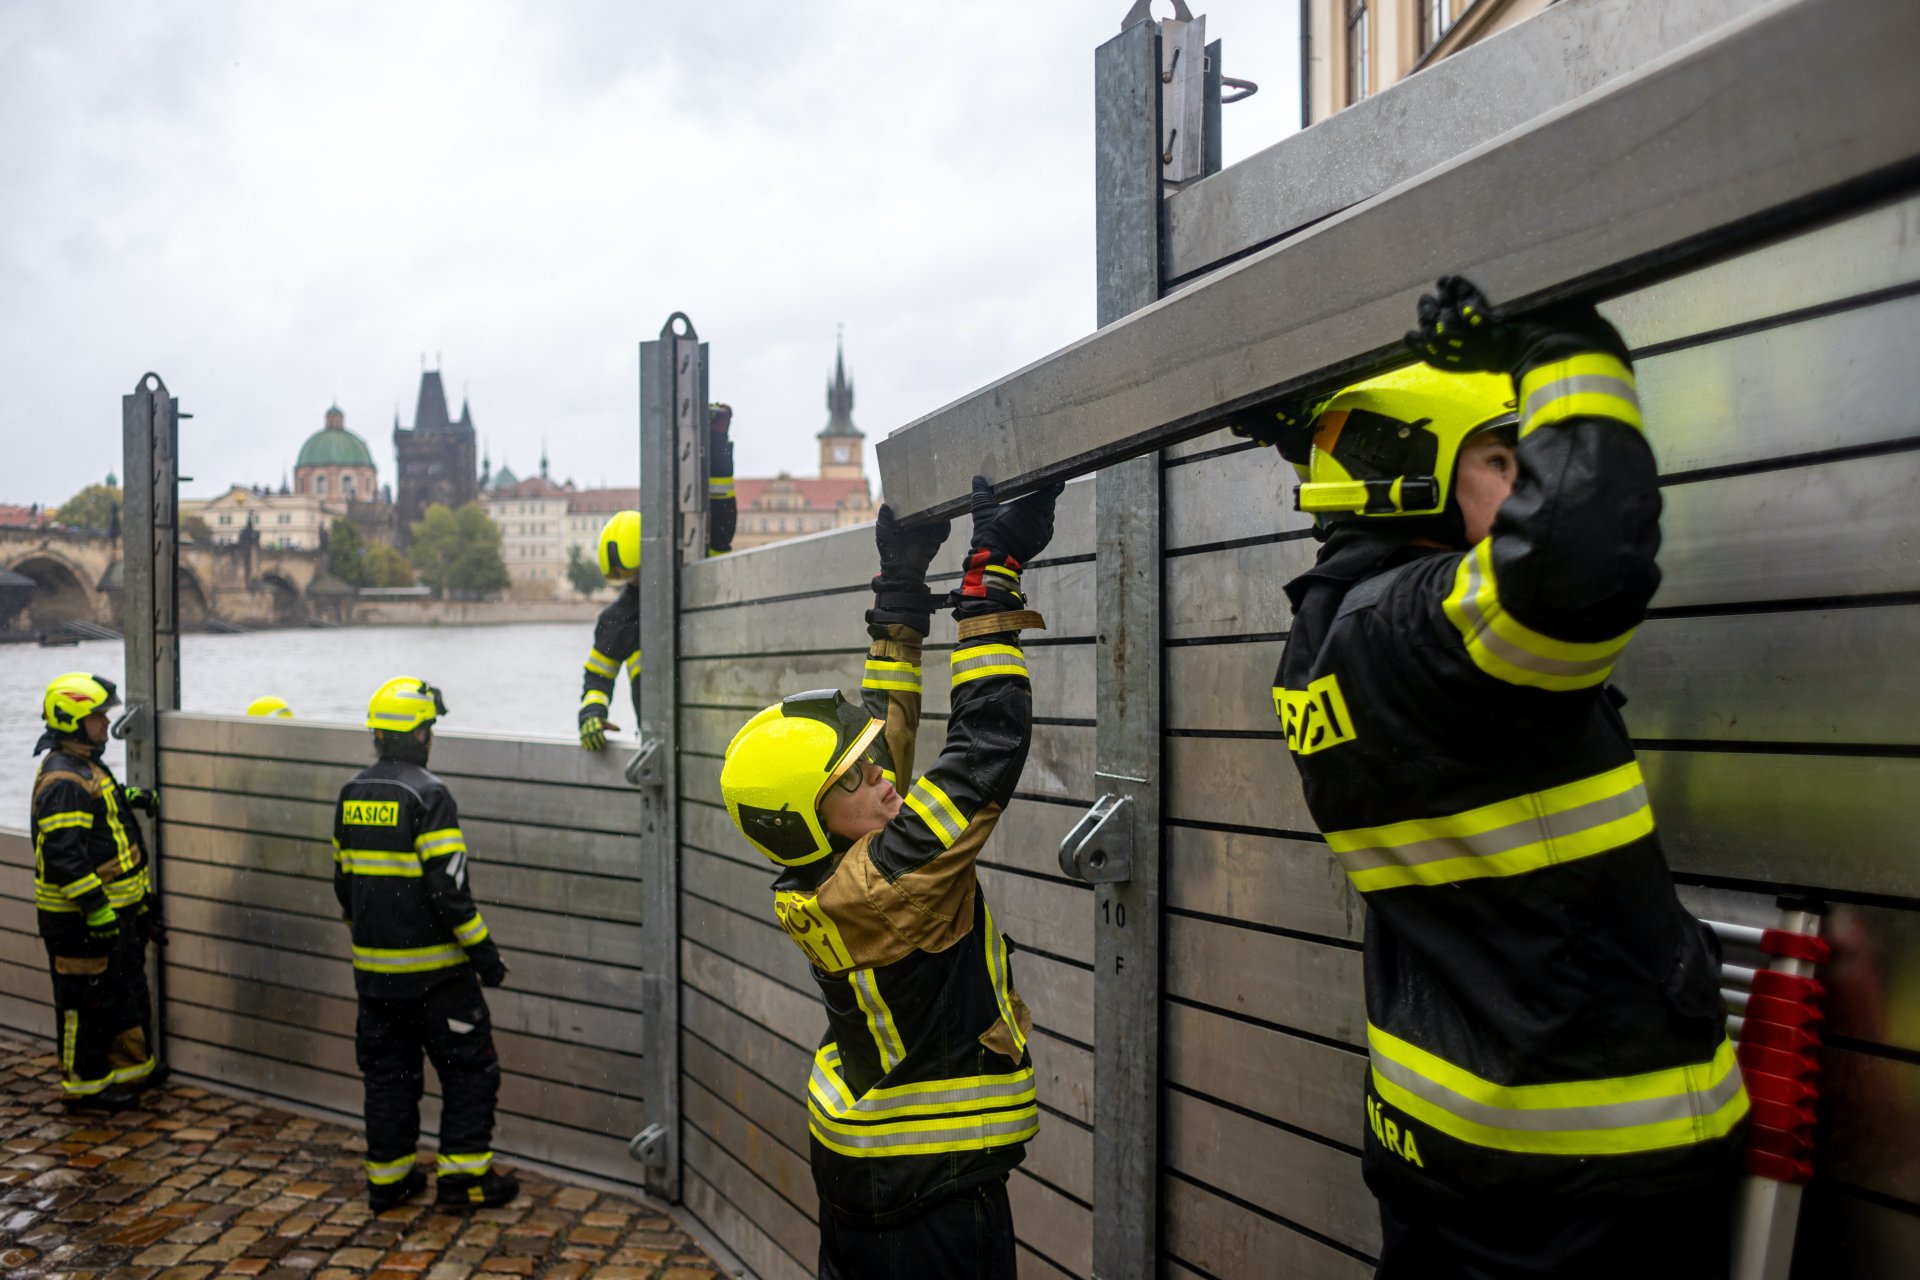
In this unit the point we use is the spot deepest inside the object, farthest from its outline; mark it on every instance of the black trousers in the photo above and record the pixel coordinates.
(102, 1014)
(968, 1236)
(450, 1024)
(1675, 1237)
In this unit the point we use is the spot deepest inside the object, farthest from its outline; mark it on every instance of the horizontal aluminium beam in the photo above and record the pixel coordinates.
(1800, 109)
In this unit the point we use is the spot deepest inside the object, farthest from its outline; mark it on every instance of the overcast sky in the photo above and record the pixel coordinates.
(278, 205)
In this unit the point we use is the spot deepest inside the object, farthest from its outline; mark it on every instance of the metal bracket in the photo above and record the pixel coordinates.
(647, 768)
(649, 1146)
(1099, 849)
(1183, 99)
(131, 723)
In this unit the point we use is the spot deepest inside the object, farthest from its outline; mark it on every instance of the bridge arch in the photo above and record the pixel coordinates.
(193, 604)
(60, 590)
(287, 604)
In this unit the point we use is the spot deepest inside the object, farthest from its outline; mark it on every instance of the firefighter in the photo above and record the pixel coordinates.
(922, 1093)
(1552, 1091)
(616, 635)
(270, 706)
(421, 954)
(95, 905)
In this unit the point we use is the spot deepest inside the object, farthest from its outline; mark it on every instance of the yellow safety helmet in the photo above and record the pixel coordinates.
(403, 704)
(270, 706)
(781, 763)
(1386, 447)
(74, 696)
(620, 546)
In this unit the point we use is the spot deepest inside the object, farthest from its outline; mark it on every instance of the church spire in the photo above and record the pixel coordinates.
(840, 396)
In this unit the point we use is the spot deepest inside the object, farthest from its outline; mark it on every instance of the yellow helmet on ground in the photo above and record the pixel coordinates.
(74, 696)
(270, 706)
(781, 763)
(1386, 447)
(403, 704)
(620, 546)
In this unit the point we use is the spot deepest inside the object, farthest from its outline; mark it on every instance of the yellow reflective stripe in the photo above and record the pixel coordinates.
(883, 673)
(926, 1137)
(466, 1164)
(61, 821)
(1595, 385)
(406, 959)
(472, 933)
(378, 862)
(999, 970)
(48, 898)
(383, 1173)
(438, 844)
(122, 847)
(127, 891)
(1509, 837)
(633, 663)
(1509, 650)
(80, 888)
(600, 664)
(719, 486)
(1003, 571)
(594, 698)
(983, 660)
(937, 810)
(880, 1020)
(1658, 1109)
(830, 1095)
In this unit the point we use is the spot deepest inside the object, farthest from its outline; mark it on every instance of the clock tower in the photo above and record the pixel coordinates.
(842, 446)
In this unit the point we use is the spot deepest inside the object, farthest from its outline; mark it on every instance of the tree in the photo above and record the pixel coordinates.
(347, 553)
(386, 567)
(194, 529)
(583, 574)
(96, 507)
(458, 551)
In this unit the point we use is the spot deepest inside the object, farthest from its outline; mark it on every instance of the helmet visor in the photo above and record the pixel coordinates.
(854, 729)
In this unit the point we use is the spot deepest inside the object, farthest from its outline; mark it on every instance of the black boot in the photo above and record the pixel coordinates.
(153, 1079)
(388, 1194)
(115, 1097)
(465, 1191)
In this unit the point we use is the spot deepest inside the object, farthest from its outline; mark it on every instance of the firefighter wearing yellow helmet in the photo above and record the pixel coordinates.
(421, 954)
(877, 888)
(270, 706)
(1551, 1088)
(94, 901)
(616, 635)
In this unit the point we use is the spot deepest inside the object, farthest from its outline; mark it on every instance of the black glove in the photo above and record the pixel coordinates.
(1285, 426)
(900, 595)
(151, 927)
(141, 798)
(1005, 537)
(1459, 332)
(493, 974)
(103, 927)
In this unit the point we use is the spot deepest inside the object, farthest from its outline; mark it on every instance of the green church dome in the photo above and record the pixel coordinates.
(334, 447)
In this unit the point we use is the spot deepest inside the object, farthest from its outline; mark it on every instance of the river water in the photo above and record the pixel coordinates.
(520, 679)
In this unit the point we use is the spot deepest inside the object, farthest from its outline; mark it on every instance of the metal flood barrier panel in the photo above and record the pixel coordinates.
(258, 981)
(754, 627)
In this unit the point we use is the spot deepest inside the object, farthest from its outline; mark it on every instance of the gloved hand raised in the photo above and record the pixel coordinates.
(1458, 332)
(1005, 537)
(143, 799)
(1284, 426)
(900, 595)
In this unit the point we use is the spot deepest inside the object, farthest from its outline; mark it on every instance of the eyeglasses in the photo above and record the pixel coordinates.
(855, 775)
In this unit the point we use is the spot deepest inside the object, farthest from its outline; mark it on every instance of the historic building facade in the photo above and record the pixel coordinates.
(436, 458)
(785, 506)
(335, 465)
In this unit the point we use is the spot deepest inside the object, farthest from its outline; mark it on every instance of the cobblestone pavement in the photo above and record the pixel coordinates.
(199, 1186)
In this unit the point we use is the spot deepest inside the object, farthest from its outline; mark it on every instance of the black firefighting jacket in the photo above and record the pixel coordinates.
(87, 847)
(1543, 1016)
(922, 1085)
(616, 633)
(400, 873)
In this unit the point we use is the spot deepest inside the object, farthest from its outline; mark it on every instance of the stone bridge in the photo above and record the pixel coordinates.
(78, 576)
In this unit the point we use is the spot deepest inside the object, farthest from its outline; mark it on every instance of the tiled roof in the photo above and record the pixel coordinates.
(12, 517)
(531, 487)
(605, 501)
(820, 495)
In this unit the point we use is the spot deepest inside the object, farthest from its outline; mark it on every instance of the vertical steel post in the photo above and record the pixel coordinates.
(673, 513)
(1127, 927)
(150, 561)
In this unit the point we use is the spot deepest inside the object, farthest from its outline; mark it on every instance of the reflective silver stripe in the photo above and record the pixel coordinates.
(957, 1133)
(932, 805)
(478, 1162)
(406, 959)
(600, 664)
(886, 1035)
(398, 716)
(932, 1096)
(1483, 633)
(428, 846)
(383, 1172)
(1579, 384)
(1604, 1115)
(1540, 829)
(1013, 662)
